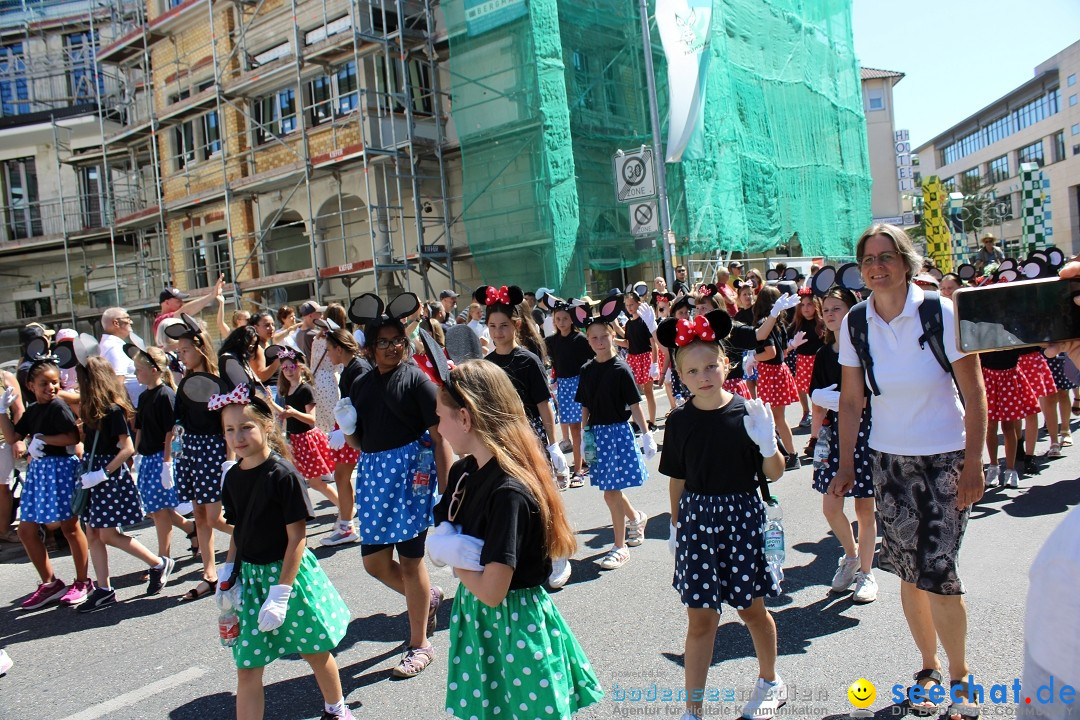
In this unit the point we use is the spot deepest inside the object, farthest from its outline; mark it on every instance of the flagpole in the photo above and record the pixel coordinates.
(659, 155)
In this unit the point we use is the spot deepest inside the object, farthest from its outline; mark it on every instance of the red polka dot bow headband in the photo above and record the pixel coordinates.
(689, 330)
(506, 295)
(240, 395)
(501, 295)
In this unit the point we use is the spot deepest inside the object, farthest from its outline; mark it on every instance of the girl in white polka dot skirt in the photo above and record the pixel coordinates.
(310, 449)
(500, 524)
(714, 447)
(609, 397)
(282, 597)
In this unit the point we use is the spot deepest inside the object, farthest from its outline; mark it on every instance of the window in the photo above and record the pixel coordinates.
(85, 82)
(14, 91)
(23, 210)
(1076, 129)
(275, 115)
(211, 135)
(1028, 114)
(1071, 80)
(999, 169)
(90, 200)
(1059, 146)
(875, 99)
(322, 32)
(220, 255)
(34, 308)
(972, 177)
(207, 257)
(336, 93)
(274, 53)
(1072, 100)
(949, 183)
(1004, 205)
(321, 99)
(1031, 153)
(347, 88)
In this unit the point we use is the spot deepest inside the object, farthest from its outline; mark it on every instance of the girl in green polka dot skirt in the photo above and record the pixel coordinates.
(282, 597)
(511, 652)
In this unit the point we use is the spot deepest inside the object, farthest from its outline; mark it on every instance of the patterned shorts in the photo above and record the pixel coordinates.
(639, 365)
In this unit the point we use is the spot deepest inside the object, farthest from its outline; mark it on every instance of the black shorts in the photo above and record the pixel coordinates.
(412, 548)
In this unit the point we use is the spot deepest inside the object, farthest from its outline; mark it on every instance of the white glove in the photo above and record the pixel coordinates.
(166, 475)
(673, 540)
(784, 302)
(828, 398)
(557, 460)
(136, 463)
(336, 439)
(7, 399)
(648, 445)
(95, 477)
(654, 371)
(760, 427)
(227, 599)
(225, 468)
(749, 364)
(345, 414)
(443, 529)
(455, 550)
(799, 339)
(645, 312)
(36, 447)
(272, 614)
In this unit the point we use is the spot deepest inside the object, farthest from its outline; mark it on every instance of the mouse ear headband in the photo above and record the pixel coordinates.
(707, 290)
(134, 349)
(508, 295)
(712, 327)
(368, 310)
(639, 289)
(610, 307)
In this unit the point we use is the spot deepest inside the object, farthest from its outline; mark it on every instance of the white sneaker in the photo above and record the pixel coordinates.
(993, 474)
(767, 698)
(343, 533)
(614, 559)
(1054, 451)
(845, 574)
(560, 573)
(1011, 479)
(635, 530)
(5, 663)
(865, 588)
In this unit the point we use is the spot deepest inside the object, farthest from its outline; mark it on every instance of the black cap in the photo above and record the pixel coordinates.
(33, 331)
(171, 293)
(447, 294)
(310, 307)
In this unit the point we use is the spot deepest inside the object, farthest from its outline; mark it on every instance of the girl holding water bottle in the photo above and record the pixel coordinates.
(717, 531)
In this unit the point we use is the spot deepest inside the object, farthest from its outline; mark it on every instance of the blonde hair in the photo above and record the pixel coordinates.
(162, 361)
(900, 241)
(258, 411)
(498, 419)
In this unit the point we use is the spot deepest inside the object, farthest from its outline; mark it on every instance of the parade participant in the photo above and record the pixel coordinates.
(524, 368)
(744, 301)
(502, 505)
(807, 320)
(569, 350)
(310, 451)
(1033, 366)
(1009, 399)
(609, 396)
(154, 421)
(641, 349)
(235, 355)
(323, 371)
(284, 602)
(204, 457)
(717, 519)
(857, 564)
(1056, 363)
(8, 453)
(478, 325)
(724, 292)
(388, 412)
(265, 372)
(49, 428)
(950, 283)
(680, 287)
(528, 334)
(926, 450)
(114, 499)
(775, 384)
(344, 351)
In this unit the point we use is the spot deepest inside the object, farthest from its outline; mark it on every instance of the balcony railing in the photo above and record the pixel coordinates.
(71, 216)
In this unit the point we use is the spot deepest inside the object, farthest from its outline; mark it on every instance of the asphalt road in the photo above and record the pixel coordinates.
(154, 658)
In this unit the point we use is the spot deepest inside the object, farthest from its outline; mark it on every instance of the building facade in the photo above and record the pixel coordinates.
(890, 166)
(1037, 123)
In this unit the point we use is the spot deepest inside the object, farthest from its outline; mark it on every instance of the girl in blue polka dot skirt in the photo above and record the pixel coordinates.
(609, 397)
(511, 652)
(50, 481)
(283, 599)
(714, 448)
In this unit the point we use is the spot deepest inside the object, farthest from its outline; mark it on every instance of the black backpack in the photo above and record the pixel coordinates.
(933, 328)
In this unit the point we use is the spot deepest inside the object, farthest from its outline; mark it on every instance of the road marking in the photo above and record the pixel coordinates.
(135, 696)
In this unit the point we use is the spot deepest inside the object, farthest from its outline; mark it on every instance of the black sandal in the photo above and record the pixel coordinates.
(924, 710)
(193, 540)
(1076, 407)
(196, 593)
(965, 710)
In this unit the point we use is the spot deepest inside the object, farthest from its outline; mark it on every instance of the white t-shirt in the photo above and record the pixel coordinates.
(481, 330)
(111, 348)
(918, 411)
(1051, 630)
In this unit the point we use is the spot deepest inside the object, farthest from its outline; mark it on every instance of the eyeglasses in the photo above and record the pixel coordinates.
(124, 320)
(398, 342)
(456, 498)
(885, 258)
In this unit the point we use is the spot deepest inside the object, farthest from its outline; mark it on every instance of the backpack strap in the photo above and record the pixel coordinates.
(859, 330)
(933, 327)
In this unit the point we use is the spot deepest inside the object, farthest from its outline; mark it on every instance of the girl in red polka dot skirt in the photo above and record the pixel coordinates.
(310, 450)
(775, 384)
(1009, 399)
(1033, 366)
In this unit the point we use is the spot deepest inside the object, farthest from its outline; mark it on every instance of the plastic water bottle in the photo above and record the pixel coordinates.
(774, 540)
(425, 470)
(177, 446)
(590, 446)
(228, 627)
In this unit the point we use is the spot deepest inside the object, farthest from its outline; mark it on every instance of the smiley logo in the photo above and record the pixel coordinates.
(862, 693)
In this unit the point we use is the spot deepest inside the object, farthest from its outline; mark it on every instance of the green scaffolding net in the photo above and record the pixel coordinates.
(545, 91)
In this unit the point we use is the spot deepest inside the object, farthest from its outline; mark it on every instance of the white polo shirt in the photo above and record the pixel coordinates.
(918, 411)
(111, 348)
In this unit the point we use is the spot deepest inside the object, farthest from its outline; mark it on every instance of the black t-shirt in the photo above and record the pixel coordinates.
(356, 367)
(827, 369)
(52, 418)
(299, 399)
(638, 337)
(568, 353)
(154, 418)
(527, 375)
(710, 449)
(777, 339)
(1002, 359)
(501, 511)
(813, 341)
(280, 500)
(538, 316)
(195, 417)
(111, 428)
(607, 389)
(679, 286)
(745, 316)
(393, 409)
